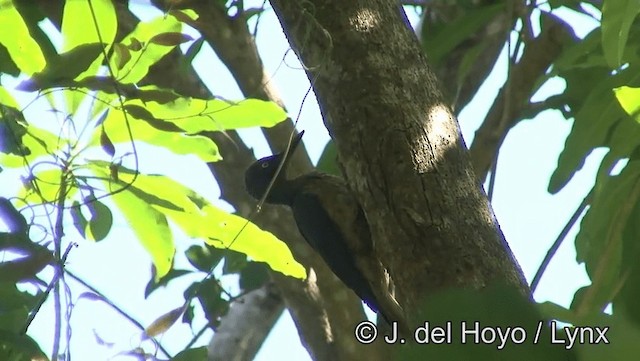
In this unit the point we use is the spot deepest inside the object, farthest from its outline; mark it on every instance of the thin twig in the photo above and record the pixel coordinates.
(124, 314)
(45, 295)
(197, 336)
(492, 176)
(59, 267)
(511, 59)
(259, 16)
(121, 100)
(556, 244)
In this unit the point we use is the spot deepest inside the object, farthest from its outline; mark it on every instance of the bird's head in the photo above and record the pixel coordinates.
(259, 175)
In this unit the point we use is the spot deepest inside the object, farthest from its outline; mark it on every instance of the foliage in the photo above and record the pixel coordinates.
(89, 166)
(600, 73)
(495, 323)
(602, 97)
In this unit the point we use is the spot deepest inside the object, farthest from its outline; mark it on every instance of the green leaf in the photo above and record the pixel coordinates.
(106, 143)
(622, 337)
(629, 99)
(253, 276)
(115, 125)
(79, 220)
(121, 55)
(101, 219)
(7, 99)
(48, 189)
(553, 311)
(140, 112)
(617, 17)
(164, 322)
(14, 346)
(7, 65)
(494, 307)
(12, 218)
(599, 243)
(12, 131)
(198, 115)
(210, 296)
(79, 27)
(259, 245)
(439, 41)
(467, 63)
(104, 84)
(192, 354)
(189, 211)
(23, 49)
(24, 268)
(36, 143)
(64, 67)
(204, 257)
(328, 160)
(184, 15)
(584, 54)
(599, 120)
(234, 262)
(170, 39)
(191, 53)
(148, 53)
(148, 224)
(153, 285)
(135, 44)
(15, 306)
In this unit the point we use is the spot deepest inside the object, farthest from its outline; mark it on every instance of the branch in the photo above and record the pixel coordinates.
(59, 266)
(539, 54)
(490, 38)
(248, 322)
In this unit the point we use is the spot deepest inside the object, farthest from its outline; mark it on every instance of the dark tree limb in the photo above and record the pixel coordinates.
(491, 37)
(508, 109)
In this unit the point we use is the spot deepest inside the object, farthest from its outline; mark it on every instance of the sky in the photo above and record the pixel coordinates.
(529, 216)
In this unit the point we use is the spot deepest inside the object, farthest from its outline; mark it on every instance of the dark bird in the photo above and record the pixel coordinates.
(328, 217)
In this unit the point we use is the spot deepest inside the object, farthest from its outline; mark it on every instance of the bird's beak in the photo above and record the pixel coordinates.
(292, 148)
(294, 144)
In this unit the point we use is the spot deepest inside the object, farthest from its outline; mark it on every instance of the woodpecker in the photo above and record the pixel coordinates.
(327, 215)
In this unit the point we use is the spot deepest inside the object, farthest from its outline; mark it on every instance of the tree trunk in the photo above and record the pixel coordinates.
(400, 147)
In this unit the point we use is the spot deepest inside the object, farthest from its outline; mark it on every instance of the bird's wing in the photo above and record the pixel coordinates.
(324, 235)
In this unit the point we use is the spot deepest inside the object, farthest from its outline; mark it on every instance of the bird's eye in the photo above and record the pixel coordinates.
(264, 165)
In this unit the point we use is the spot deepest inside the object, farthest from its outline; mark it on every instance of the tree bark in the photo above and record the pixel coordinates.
(243, 330)
(400, 147)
